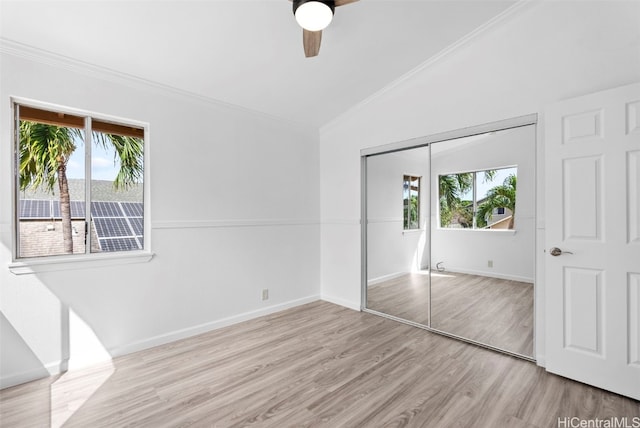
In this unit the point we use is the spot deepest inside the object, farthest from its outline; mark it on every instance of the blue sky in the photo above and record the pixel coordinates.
(498, 179)
(102, 163)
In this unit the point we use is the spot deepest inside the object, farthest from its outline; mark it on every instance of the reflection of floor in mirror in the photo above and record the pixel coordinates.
(494, 311)
(405, 297)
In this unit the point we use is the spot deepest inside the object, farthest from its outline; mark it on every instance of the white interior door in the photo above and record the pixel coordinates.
(592, 296)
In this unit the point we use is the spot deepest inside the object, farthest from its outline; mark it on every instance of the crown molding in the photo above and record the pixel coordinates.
(45, 57)
(518, 7)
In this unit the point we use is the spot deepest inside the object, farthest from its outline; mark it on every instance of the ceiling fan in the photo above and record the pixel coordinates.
(313, 16)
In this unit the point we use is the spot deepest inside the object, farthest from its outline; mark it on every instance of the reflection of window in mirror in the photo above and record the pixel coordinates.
(411, 202)
(484, 199)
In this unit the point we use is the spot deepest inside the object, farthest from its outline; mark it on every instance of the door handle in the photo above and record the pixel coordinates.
(555, 251)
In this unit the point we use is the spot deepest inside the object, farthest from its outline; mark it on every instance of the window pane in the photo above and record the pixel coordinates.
(493, 206)
(117, 208)
(456, 200)
(411, 202)
(51, 199)
(496, 198)
(53, 193)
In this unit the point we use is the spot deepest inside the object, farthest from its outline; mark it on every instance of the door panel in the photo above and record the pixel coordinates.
(592, 192)
(582, 127)
(633, 117)
(633, 172)
(583, 310)
(582, 178)
(634, 319)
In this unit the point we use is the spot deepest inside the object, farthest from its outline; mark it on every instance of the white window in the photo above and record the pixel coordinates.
(478, 199)
(411, 202)
(79, 183)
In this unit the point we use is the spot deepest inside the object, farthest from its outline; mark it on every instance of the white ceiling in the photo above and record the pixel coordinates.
(249, 53)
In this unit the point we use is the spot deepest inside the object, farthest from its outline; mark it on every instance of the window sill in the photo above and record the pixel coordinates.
(412, 231)
(462, 229)
(61, 263)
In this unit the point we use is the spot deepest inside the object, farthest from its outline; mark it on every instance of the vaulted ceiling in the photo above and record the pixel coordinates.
(249, 53)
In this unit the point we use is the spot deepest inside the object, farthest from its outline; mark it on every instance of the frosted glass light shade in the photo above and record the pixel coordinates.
(314, 15)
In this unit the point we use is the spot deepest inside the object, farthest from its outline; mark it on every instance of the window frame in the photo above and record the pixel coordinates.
(26, 265)
(474, 202)
(406, 216)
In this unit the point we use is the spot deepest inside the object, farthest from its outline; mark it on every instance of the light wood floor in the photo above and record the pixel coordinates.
(494, 311)
(313, 365)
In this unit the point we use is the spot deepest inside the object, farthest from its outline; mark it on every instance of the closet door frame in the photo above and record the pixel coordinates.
(516, 122)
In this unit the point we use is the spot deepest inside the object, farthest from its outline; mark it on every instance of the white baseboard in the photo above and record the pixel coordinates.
(342, 302)
(383, 278)
(50, 369)
(203, 328)
(488, 274)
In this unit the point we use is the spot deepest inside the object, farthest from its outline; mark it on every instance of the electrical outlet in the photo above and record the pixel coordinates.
(490, 263)
(265, 294)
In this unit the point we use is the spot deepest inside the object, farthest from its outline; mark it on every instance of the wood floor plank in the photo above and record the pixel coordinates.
(314, 365)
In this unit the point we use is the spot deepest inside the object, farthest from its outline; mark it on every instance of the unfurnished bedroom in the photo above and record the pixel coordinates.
(301, 213)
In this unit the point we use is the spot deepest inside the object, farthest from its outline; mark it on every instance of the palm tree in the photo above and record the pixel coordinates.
(412, 211)
(45, 151)
(451, 188)
(503, 196)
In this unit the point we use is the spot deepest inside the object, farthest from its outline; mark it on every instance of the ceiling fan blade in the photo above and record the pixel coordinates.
(311, 41)
(343, 2)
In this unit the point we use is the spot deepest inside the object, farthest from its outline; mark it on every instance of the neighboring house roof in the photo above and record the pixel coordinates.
(496, 218)
(101, 190)
(117, 216)
(500, 224)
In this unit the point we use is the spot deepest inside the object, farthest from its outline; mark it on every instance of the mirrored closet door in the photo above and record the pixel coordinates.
(450, 236)
(398, 234)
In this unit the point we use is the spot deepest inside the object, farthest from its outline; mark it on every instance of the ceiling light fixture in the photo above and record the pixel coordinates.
(313, 15)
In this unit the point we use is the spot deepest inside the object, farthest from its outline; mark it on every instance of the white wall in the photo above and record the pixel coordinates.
(511, 252)
(543, 52)
(390, 249)
(234, 209)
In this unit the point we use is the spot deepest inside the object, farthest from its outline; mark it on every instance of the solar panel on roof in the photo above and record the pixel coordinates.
(77, 209)
(119, 244)
(119, 226)
(112, 226)
(137, 224)
(132, 209)
(31, 208)
(106, 209)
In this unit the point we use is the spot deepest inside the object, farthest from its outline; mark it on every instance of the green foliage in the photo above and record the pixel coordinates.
(503, 196)
(464, 214)
(451, 188)
(129, 154)
(412, 217)
(488, 175)
(44, 151)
